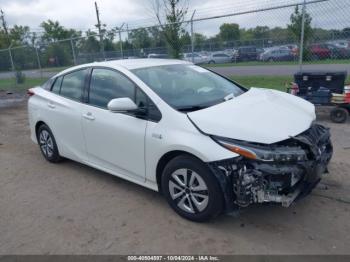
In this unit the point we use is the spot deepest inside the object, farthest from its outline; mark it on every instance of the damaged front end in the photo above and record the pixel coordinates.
(277, 173)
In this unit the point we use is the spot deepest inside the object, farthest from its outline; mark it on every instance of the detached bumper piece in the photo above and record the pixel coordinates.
(245, 182)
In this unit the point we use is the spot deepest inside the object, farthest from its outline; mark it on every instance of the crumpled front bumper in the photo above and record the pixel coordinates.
(245, 182)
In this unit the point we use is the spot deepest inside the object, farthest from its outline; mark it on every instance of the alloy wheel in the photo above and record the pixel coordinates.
(46, 143)
(189, 191)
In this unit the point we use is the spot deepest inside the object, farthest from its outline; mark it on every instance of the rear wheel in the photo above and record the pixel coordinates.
(339, 115)
(191, 189)
(47, 144)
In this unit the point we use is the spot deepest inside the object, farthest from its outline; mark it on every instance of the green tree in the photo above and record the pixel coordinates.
(53, 31)
(157, 37)
(20, 35)
(229, 32)
(57, 53)
(174, 12)
(295, 27)
(140, 38)
(261, 32)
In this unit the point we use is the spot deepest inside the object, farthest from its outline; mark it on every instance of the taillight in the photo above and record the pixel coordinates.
(30, 92)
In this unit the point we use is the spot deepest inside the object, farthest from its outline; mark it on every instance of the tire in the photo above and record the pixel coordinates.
(339, 115)
(271, 60)
(211, 62)
(47, 144)
(200, 198)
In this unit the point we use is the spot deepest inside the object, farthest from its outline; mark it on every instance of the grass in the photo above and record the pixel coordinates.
(257, 63)
(10, 85)
(272, 82)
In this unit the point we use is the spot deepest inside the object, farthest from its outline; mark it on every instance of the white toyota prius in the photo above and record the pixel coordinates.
(206, 143)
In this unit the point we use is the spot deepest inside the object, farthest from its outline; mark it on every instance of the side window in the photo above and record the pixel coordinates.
(108, 84)
(140, 99)
(47, 85)
(57, 85)
(73, 84)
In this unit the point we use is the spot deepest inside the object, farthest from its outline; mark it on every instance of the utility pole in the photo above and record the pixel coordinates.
(4, 25)
(192, 36)
(99, 26)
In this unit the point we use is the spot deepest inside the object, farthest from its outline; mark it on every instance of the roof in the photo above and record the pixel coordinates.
(140, 63)
(129, 64)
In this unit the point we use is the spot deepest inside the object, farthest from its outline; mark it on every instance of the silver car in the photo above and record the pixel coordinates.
(219, 58)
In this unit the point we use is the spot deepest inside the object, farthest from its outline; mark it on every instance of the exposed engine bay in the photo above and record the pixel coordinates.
(285, 170)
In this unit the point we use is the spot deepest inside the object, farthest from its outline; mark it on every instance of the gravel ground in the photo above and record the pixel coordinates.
(73, 209)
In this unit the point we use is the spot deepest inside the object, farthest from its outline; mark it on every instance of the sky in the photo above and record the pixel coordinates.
(80, 14)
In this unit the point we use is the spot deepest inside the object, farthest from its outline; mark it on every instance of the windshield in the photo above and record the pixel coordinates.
(188, 87)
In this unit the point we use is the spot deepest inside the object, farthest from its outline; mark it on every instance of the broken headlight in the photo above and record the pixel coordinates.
(263, 153)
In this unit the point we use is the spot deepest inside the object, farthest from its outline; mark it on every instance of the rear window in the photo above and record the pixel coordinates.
(57, 85)
(47, 85)
(73, 84)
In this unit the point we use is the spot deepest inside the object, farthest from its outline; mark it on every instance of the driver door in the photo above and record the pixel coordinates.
(114, 141)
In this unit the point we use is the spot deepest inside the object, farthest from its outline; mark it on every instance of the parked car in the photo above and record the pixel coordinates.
(197, 59)
(319, 51)
(246, 53)
(338, 52)
(159, 56)
(208, 144)
(219, 58)
(273, 55)
(342, 44)
(293, 48)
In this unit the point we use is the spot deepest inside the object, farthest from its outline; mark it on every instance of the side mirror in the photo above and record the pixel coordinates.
(119, 105)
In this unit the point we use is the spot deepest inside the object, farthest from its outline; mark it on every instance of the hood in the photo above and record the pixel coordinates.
(259, 115)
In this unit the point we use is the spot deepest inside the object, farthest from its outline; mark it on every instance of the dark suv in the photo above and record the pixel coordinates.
(246, 53)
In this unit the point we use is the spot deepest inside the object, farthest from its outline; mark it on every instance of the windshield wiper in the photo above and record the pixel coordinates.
(191, 108)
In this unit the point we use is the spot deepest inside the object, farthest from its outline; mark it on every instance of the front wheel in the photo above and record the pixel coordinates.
(191, 189)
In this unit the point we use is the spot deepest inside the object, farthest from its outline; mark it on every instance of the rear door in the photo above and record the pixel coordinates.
(114, 141)
(63, 115)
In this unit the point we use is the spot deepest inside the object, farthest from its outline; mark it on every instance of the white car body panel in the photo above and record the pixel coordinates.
(63, 117)
(275, 115)
(130, 148)
(109, 144)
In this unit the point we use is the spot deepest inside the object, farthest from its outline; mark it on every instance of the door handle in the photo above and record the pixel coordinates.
(89, 116)
(51, 105)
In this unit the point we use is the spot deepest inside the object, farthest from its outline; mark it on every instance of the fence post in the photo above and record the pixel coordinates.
(120, 41)
(192, 36)
(73, 51)
(301, 51)
(11, 59)
(39, 63)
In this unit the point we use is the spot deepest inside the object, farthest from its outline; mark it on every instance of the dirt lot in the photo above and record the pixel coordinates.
(73, 209)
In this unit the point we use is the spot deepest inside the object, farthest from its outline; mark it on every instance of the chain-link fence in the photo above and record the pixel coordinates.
(291, 32)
